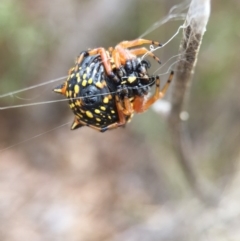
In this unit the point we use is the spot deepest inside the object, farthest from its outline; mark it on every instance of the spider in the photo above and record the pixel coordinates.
(106, 87)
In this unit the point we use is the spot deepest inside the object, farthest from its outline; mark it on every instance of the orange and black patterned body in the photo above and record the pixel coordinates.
(105, 88)
(89, 95)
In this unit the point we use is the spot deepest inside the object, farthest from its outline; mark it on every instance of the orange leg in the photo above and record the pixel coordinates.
(121, 115)
(133, 43)
(105, 58)
(81, 56)
(142, 51)
(140, 105)
(121, 54)
(127, 108)
(116, 58)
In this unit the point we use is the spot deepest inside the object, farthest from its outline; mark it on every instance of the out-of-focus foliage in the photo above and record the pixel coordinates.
(125, 184)
(20, 44)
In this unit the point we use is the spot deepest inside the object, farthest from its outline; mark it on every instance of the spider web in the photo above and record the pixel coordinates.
(17, 99)
(31, 118)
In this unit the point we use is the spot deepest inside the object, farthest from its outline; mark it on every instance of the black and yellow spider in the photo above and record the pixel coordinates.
(105, 88)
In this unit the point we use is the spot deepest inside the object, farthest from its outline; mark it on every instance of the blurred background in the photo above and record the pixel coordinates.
(125, 184)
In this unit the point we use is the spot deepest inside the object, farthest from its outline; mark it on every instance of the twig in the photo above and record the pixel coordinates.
(194, 28)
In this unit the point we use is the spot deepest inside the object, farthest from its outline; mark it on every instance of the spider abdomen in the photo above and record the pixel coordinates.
(89, 96)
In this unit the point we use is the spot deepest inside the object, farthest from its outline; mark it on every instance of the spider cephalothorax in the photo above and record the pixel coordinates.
(105, 88)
